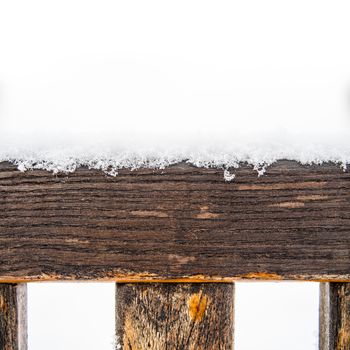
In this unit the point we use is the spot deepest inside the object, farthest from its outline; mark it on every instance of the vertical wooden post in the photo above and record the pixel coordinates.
(175, 316)
(334, 316)
(13, 316)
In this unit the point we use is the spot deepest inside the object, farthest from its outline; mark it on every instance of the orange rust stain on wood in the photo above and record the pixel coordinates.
(282, 186)
(289, 205)
(262, 276)
(149, 213)
(197, 305)
(343, 340)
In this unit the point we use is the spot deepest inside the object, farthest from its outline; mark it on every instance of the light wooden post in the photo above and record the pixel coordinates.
(175, 316)
(13, 316)
(334, 316)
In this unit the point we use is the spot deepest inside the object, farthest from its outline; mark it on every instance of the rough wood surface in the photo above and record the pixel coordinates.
(335, 316)
(175, 316)
(182, 223)
(13, 316)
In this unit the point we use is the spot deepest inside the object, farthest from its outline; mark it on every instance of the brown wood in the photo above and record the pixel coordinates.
(13, 316)
(175, 316)
(178, 224)
(335, 316)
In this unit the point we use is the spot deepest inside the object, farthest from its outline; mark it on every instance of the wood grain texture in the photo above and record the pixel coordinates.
(178, 224)
(175, 316)
(13, 316)
(334, 316)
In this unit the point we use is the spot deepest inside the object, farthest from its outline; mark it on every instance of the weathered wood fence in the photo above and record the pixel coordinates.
(174, 241)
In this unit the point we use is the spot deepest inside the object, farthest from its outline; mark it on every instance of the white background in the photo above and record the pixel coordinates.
(146, 72)
(174, 67)
(269, 316)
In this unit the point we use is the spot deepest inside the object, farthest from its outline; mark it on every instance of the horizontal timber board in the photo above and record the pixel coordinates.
(181, 223)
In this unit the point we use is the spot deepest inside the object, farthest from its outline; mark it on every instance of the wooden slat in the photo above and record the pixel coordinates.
(182, 316)
(334, 316)
(13, 316)
(178, 224)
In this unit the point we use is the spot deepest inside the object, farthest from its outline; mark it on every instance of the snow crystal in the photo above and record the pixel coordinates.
(57, 154)
(228, 176)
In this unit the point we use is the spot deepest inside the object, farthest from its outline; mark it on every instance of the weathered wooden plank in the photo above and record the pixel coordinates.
(334, 316)
(181, 223)
(181, 316)
(13, 316)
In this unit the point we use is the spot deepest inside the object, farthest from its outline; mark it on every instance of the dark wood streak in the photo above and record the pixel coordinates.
(13, 317)
(178, 224)
(334, 316)
(181, 316)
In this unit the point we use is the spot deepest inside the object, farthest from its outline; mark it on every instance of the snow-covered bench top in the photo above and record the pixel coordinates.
(65, 154)
(150, 83)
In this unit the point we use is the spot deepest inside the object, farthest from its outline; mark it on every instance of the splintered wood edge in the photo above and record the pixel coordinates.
(253, 277)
